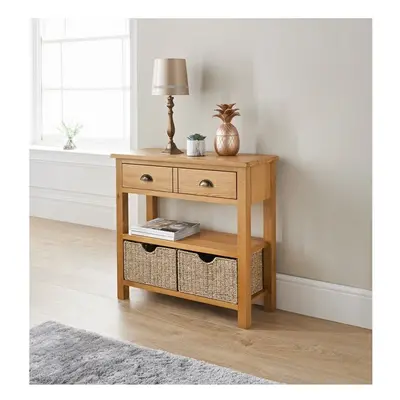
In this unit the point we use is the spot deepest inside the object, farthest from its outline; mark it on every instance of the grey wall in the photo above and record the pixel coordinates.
(304, 89)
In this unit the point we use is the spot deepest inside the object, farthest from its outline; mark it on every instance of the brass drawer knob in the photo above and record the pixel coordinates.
(146, 178)
(206, 183)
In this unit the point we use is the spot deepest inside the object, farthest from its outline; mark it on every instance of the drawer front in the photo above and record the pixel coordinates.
(207, 183)
(147, 177)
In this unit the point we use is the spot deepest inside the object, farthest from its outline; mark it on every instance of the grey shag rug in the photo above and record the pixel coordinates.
(63, 355)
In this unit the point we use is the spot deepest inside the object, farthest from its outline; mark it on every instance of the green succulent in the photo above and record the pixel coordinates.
(196, 136)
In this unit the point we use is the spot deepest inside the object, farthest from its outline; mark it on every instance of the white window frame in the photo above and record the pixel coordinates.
(85, 144)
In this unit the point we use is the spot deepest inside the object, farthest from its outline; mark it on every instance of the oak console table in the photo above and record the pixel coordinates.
(240, 180)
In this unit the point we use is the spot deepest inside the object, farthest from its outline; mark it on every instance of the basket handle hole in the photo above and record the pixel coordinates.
(149, 248)
(207, 258)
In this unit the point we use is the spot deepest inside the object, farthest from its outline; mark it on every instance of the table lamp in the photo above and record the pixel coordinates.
(170, 78)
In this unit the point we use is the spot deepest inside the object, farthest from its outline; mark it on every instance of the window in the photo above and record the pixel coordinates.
(82, 77)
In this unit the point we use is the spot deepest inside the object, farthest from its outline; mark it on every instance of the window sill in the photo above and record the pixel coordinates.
(93, 152)
(61, 150)
(50, 154)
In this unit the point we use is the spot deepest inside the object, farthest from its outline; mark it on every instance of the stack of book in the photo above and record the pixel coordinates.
(166, 229)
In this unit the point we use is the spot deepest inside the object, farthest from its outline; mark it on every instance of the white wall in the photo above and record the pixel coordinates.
(304, 92)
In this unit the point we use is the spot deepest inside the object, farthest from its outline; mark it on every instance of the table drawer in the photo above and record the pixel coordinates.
(207, 183)
(147, 177)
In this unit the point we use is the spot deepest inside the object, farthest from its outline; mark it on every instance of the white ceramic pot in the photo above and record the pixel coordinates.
(196, 148)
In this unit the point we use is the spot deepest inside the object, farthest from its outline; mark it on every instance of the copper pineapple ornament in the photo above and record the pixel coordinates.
(227, 140)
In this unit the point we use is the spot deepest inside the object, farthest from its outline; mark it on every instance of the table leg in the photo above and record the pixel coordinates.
(244, 248)
(151, 207)
(270, 239)
(122, 227)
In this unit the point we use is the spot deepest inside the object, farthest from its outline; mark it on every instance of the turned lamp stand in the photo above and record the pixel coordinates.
(171, 146)
(170, 79)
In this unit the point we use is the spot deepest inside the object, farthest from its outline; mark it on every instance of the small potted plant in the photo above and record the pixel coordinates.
(70, 132)
(196, 145)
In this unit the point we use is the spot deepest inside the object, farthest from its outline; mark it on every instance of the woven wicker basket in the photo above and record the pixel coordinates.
(216, 279)
(156, 267)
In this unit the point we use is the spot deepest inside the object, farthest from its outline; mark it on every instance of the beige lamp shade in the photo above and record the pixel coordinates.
(170, 77)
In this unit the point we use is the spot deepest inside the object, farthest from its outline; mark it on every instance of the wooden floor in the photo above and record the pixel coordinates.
(73, 281)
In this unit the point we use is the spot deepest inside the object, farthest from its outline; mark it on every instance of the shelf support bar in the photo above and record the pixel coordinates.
(151, 207)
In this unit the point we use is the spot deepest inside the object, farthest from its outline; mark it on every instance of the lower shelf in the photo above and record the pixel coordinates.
(192, 297)
(186, 296)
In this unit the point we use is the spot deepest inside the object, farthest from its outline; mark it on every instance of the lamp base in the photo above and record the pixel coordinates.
(172, 149)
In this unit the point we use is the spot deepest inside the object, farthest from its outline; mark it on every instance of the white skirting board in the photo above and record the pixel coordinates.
(73, 187)
(345, 304)
(77, 208)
